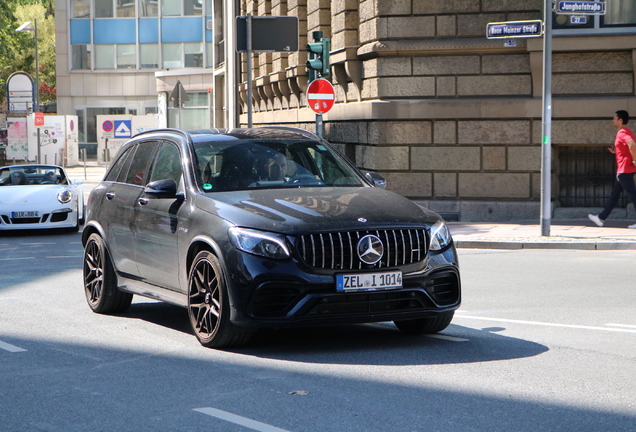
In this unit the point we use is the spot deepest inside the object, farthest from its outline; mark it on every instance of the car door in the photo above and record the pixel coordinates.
(120, 207)
(158, 221)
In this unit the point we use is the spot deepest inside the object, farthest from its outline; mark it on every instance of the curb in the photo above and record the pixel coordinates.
(573, 245)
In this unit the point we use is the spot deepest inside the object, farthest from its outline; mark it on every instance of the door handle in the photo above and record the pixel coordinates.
(110, 195)
(143, 201)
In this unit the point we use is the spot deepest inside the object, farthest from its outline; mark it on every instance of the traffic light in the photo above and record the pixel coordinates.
(318, 56)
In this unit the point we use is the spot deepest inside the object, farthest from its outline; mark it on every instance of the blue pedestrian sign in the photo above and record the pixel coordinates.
(514, 29)
(123, 129)
(580, 7)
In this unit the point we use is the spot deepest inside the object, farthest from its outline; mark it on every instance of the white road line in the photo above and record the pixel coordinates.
(37, 244)
(621, 325)
(448, 338)
(242, 421)
(11, 348)
(546, 324)
(13, 259)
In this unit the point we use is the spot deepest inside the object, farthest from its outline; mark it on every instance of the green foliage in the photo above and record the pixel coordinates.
(17, 49)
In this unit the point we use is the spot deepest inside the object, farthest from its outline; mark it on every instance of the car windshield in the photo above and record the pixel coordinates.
(270, 164)
(31, 175)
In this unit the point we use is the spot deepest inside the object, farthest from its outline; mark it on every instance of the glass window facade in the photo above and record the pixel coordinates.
(149, 56)
(126, 57)
(144, 34)
(103, 8)
(104, 56)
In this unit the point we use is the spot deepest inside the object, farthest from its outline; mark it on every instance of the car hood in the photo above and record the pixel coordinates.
(316, 209)
(11, 195)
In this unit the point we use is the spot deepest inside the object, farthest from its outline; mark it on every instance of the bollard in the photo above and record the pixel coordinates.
(84, 159)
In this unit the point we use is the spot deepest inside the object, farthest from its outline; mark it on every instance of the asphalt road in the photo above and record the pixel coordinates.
(545, 340)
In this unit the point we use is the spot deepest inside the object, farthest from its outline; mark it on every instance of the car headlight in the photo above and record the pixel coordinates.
(65, 196)
(261, 243)
(440, 236)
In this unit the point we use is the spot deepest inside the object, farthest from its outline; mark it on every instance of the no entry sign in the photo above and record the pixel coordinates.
(320, 96)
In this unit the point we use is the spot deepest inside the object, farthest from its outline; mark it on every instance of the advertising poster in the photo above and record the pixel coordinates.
(18, 139)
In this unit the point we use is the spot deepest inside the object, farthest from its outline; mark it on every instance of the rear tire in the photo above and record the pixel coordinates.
(428, 325)
(209, 306)
(100, 280)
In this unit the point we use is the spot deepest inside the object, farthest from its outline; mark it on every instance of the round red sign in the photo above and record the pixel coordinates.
(320, 96)
(107, 126)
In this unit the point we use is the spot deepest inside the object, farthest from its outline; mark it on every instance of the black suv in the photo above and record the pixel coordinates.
(269, 226)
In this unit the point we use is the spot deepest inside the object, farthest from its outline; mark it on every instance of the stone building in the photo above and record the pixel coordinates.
(450, 118)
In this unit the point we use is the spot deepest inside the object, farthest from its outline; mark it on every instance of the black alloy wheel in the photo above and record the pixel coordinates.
(100, 280)
(208, 305)
(428, 325)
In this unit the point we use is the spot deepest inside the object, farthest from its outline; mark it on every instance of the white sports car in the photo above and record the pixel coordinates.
(40, 197)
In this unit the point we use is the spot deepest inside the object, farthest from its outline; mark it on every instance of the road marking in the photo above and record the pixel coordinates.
(621, 325)
(11, 348)
(546, 324)
(448, 338)
(37, 244)
(22, 258)
(242, 421)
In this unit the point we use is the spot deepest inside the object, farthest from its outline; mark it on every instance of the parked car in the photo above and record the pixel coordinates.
(39, 197)
(263, 227)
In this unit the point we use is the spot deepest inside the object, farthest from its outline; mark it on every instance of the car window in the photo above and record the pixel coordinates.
(167, 164)
(116, 167)
(140, 163)
(260, 164)
(32, 175)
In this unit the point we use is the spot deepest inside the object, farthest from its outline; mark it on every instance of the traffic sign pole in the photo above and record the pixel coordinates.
(546, 142)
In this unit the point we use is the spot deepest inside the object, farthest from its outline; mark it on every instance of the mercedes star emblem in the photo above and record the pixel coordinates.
(370, 249)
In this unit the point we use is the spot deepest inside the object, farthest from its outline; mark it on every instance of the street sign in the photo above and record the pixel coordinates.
(269, 33)
(107, 126)
(514, 29)
(38, 119)
(123, 129)
(321, 96)
(580, 7)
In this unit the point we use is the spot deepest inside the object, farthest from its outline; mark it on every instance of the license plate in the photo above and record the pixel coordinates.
(25, 214)
(369, 281)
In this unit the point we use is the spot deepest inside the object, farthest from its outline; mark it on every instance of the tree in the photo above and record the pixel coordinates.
(17, 51)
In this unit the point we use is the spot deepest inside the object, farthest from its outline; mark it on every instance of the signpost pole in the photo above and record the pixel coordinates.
(249, 68)
(319, 125)
(39, 151)
(546, 142)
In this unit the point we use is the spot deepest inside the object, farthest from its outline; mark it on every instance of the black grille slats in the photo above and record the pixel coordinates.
(337, 250)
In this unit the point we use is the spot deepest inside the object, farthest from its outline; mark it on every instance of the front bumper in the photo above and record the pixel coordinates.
(58, 218)
(288, 295)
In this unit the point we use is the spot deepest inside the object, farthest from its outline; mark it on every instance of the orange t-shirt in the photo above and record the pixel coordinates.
(623, 155)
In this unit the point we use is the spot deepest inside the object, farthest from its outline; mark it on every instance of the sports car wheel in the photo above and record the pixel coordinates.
(100, 280)
(426, 325)
(208, 305)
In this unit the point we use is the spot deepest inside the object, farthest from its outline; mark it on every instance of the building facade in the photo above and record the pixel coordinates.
(449, 117)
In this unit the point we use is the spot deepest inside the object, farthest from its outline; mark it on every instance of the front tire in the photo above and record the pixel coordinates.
(209, 306)
(100, 280)
(428, 325)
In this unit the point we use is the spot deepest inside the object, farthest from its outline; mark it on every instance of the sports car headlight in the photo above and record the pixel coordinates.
(65, 196)
(440, 236)
(261, 243)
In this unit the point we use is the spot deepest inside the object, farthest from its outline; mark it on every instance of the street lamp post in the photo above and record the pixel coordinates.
(26, 28)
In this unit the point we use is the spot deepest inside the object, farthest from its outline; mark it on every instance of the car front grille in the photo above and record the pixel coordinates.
(338, 250)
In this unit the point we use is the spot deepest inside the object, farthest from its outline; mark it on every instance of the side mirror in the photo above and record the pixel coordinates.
(162, 189)
(376, 179)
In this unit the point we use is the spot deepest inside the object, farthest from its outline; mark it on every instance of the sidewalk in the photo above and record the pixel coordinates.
(564, 234)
